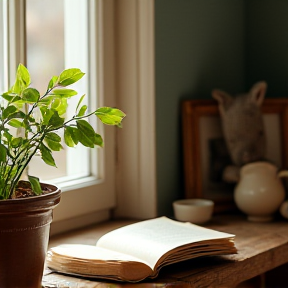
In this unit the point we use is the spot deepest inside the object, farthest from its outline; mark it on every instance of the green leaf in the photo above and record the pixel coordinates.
(52, 82)
(19, 104)
(3, 153)
(56, 121)
(68, 138)
(30, 95)
(82, 111)
(80, 101)
(8, 111)
(74, 132)
(27, 125)
(11, 97)
(98, 140)
(53, 136)
(16, 142)
(56, 103)
(15, 123)
(85, 127)
(53, 145)
(7, 135)
(86, 141)
(87, 133)
(62, 108)
(52, 139)
(46, 100)
(46, 114)
(88, 137)
(35, 184)
(23, 75)
(16, 88)
(22, 80)
(70, 76)
(18, 114)
(46, 155)
(2, 183)
(110, 116)
(64, 92)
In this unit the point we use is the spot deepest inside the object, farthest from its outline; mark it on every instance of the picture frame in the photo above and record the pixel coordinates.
(202, 136)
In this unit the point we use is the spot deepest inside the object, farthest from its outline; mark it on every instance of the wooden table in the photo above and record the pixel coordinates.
(261, 247)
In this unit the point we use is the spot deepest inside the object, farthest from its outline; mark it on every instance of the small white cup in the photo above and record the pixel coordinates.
(197, 211)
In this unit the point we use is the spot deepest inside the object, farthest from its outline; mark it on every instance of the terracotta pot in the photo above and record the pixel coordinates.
(24, 235)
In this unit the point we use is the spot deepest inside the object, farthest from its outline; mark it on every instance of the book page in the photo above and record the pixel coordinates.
(151, 239)
(92, 261)
(90, 252)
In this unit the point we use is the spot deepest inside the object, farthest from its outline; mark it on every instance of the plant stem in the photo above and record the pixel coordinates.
(22, 167)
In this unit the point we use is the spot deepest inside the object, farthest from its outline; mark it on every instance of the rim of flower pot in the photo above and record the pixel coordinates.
(33, 203)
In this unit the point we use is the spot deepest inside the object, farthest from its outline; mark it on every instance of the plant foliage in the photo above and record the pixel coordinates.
(35, 121)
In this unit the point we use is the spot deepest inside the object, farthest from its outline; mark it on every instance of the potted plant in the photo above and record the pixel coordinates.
(29, 124)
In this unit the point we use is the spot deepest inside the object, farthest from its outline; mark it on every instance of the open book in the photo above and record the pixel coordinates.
(137, 251)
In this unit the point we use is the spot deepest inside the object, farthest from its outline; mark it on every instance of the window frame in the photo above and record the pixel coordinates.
(135, 65)
(3, 43)
(85, 204)
(82, 202)
(125, 31)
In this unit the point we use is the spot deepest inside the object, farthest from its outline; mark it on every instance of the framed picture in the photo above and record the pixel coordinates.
(205, 153)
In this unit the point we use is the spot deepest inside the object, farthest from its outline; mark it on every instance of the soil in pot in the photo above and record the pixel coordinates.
(24, 190)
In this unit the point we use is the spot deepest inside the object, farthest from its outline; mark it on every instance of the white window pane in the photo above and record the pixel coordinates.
(45, 40)
(56, 32)
(3, 46)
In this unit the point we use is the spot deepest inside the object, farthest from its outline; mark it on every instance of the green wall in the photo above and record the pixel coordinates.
(201, 45)
(267, 45)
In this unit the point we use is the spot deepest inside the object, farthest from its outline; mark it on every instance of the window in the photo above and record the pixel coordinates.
(3, 46)
(90, 198)
(57, 31)
(76, 39)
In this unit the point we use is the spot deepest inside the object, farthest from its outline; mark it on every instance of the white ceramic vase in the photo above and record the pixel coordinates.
(259, 192)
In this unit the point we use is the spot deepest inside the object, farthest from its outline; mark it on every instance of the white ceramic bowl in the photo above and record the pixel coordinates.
(193, 210)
